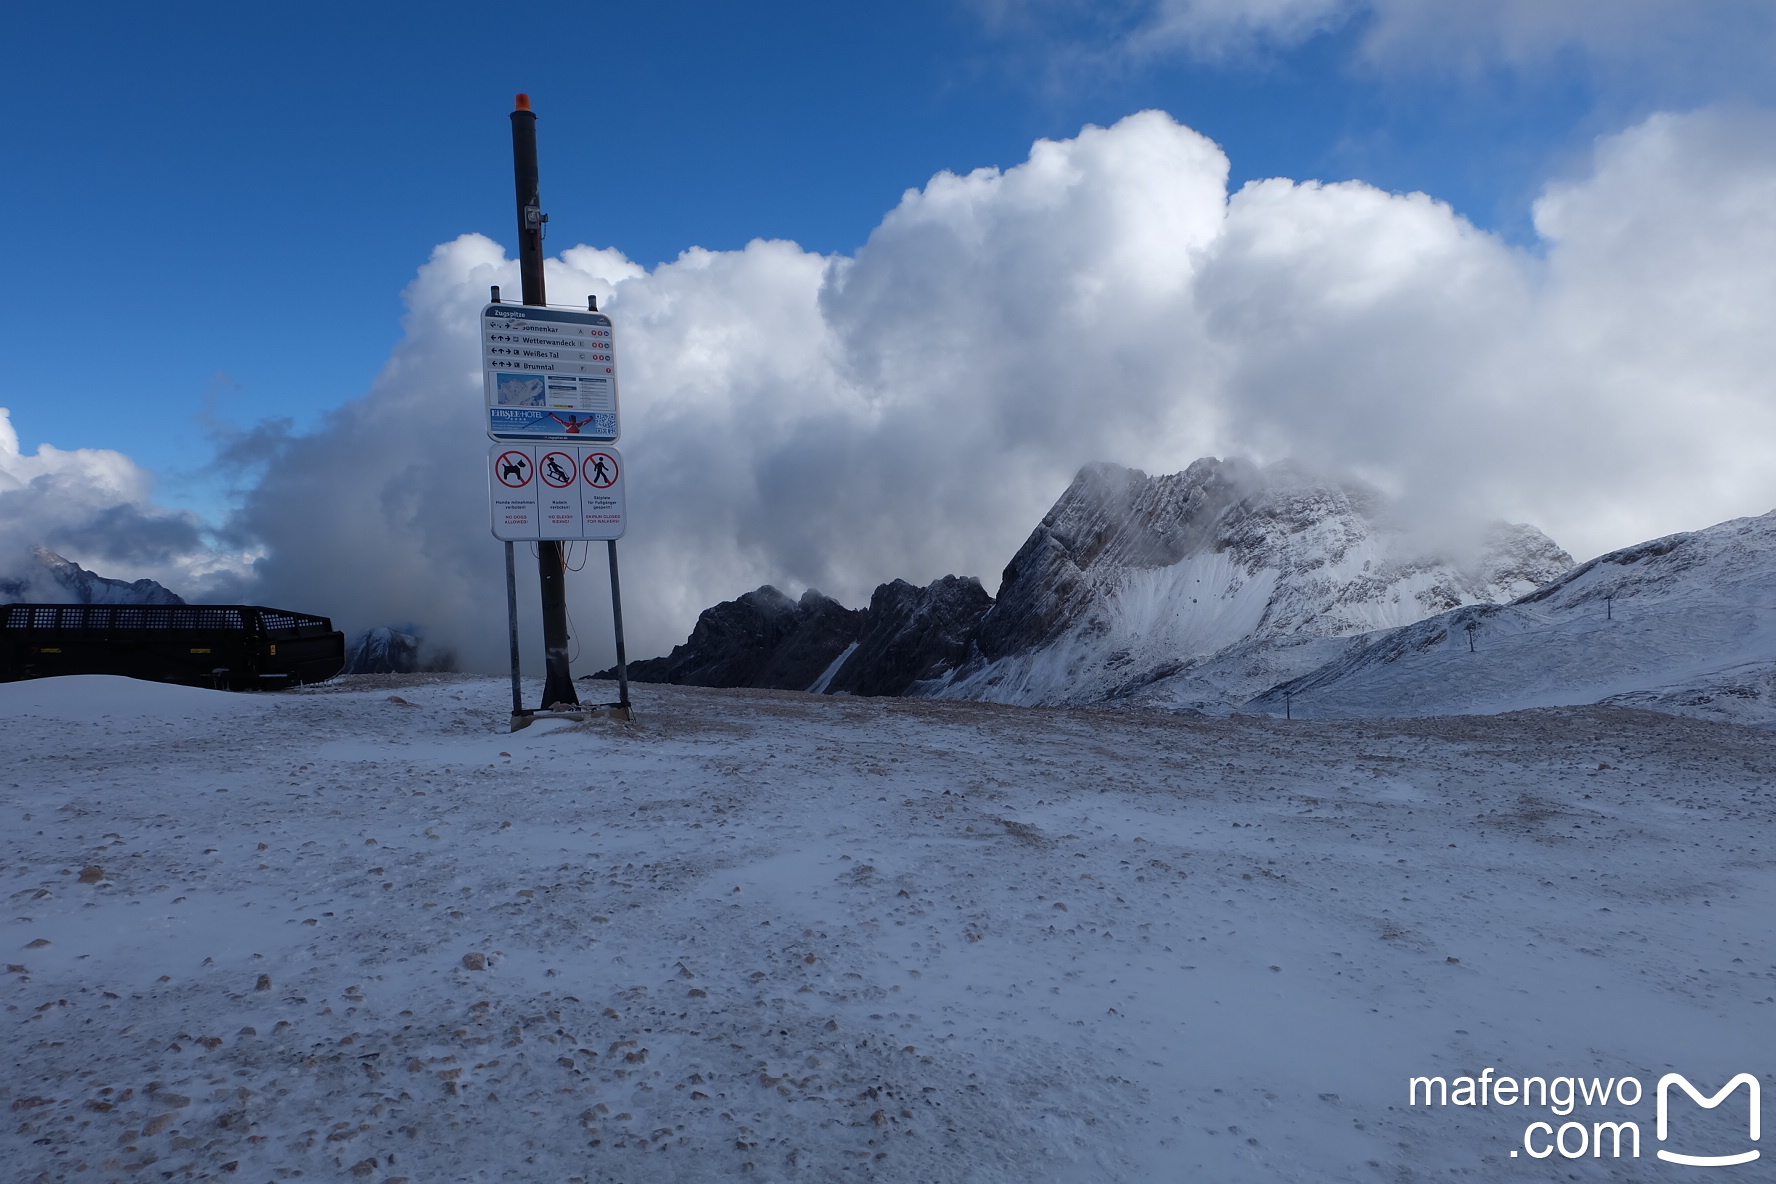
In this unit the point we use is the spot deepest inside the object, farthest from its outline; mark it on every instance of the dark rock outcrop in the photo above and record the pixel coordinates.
(391, 651)
(761, 639)
(382, 651)
(913, 635)
(1192, 589)
(824, 629)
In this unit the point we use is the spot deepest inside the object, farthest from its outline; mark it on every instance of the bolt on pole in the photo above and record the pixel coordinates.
(558, 684)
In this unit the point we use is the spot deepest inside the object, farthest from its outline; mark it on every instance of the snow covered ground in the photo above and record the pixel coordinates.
(773, 936)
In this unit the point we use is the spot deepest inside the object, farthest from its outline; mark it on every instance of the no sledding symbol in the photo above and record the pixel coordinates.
(513, 470)
(557, 469)
(600, 470)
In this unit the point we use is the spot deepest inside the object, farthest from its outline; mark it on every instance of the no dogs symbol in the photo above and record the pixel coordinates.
(600, 470)
(513, 470)
(558, 470)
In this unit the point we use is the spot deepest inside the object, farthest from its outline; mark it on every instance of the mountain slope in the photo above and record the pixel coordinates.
(1686, 623)
(911, 634)
(55, 580)
(1196, 589)
(1202, 587)
(759, 639)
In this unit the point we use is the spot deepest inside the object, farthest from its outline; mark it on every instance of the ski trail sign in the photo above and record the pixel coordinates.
(550, 374)
(562, 493)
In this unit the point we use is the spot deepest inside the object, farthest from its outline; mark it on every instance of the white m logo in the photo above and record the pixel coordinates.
(1711, 1161)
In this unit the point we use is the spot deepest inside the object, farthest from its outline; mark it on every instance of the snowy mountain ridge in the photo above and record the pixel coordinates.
(1684, 623)
(386, 650)
(51, 579)
(1229, 587)
(1133, 580)
(1210, 585)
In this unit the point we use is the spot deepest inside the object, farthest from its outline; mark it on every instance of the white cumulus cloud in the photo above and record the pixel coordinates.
(912, 410)
(96, 507)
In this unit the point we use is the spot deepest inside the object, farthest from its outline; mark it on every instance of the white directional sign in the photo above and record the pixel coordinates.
(550, 374)
(561, 492)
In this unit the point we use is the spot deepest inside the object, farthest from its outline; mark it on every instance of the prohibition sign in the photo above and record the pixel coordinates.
(558, 469)
(513, 470)
(600, 470)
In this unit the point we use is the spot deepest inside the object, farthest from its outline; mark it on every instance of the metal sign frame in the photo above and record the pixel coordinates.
(549, 374)
(556, 492)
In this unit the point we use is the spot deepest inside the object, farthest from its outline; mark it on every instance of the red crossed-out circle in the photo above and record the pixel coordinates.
(513, 469)
(560, 474)
(590, 469)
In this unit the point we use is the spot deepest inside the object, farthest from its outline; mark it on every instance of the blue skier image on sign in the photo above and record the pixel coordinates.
(518, 390)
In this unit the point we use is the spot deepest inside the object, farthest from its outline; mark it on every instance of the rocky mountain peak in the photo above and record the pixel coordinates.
(1133, 578)
(1110, 518)
(55, 580)
(912, 635)
(761, 638)
(1128, 580)
(1323, 553)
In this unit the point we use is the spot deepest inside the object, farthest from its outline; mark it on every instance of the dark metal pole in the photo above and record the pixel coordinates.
(617, 616)
(558, 684)
(512, 631)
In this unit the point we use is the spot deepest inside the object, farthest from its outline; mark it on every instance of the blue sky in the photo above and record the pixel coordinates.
(286, 168)
(229, 217)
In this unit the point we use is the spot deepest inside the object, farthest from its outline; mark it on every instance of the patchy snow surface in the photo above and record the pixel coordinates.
(778, 937)
(1685, 623)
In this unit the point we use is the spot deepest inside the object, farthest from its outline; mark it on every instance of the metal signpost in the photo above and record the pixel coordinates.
(550, 378)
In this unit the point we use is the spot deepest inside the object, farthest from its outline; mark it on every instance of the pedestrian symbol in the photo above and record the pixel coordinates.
(558, 469)
(600, 469)
(513, 469)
